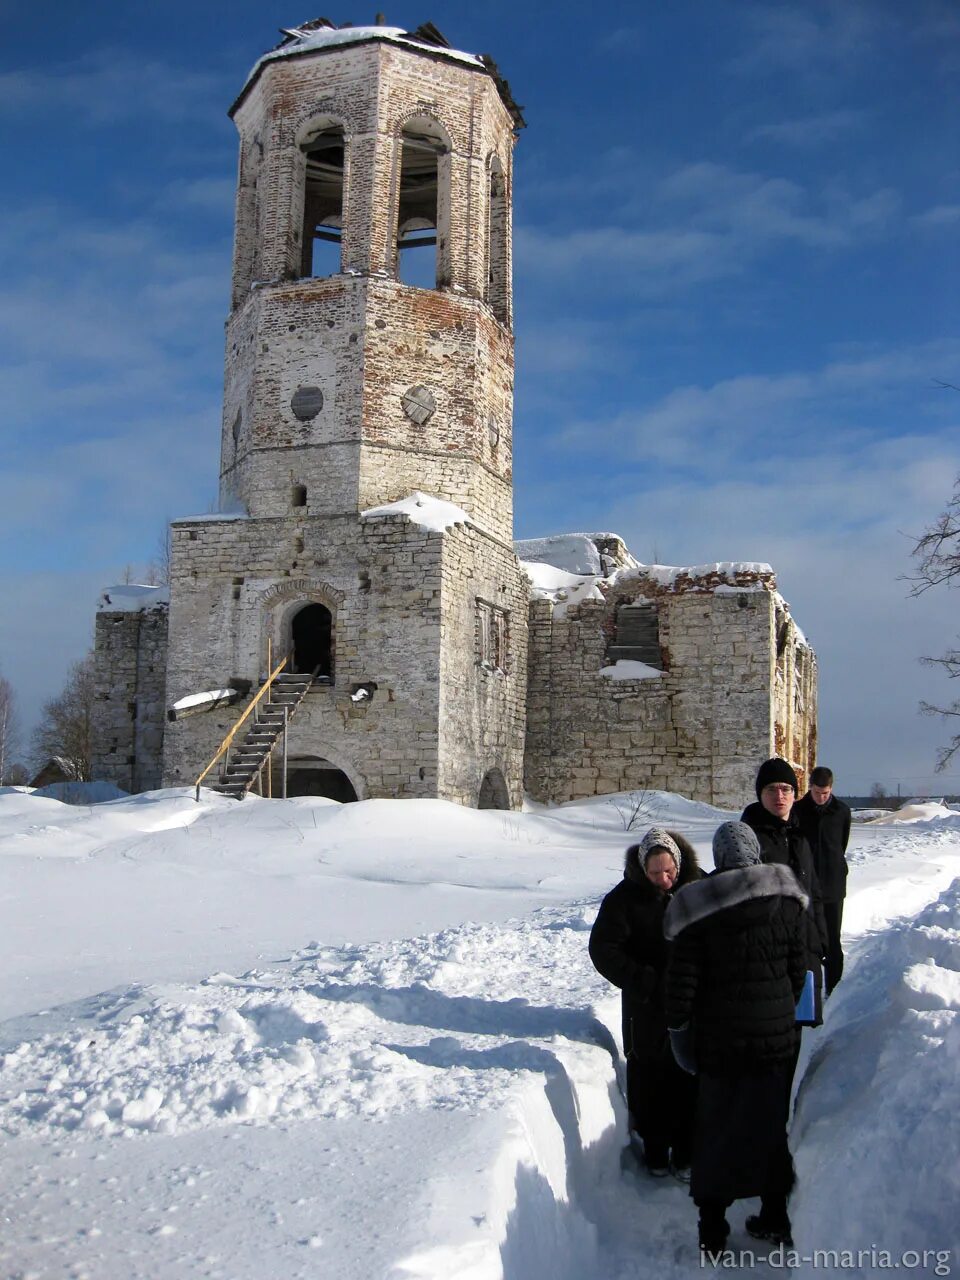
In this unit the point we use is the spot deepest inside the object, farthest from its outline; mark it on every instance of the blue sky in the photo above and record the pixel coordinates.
(736, 282)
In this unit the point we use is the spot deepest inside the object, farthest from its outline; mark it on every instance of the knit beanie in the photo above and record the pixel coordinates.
(659, 841)
(776, 770)
(735, 845)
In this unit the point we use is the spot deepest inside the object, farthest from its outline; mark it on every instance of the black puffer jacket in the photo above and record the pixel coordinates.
(737, 967)
(827, 830)
(628, 947)
(784, 843)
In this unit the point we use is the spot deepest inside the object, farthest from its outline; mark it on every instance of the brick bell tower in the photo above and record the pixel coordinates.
(369, 357)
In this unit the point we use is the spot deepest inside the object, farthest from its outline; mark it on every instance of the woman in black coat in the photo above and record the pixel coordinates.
(737, 968)
(628, 947)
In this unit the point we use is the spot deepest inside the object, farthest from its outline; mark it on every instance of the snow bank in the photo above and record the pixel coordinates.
(877, 1129)
(81, 792)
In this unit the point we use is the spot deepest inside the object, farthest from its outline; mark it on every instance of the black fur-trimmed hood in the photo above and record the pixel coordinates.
(726, 889)
(689, 866)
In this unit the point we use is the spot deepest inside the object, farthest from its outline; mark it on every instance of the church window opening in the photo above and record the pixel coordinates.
(421, 205)
(323, 153)
(298, 495)
(636, 636)
(492, 636)
(312, 636)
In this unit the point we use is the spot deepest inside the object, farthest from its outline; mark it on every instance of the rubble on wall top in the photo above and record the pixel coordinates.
(132, 597)
(321, 33)
(567, 569)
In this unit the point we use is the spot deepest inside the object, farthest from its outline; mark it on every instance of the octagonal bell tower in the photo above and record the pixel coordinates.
(369, 345)
(364, 537)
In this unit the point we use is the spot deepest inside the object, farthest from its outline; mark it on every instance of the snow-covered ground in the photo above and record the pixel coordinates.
(277, 1039)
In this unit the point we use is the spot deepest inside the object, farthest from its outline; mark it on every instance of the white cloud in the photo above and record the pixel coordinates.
(99, 88)
(811, 130)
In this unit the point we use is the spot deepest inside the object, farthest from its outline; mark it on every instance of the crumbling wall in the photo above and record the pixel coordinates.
(483, 690)
(130, 649)
(699, 728)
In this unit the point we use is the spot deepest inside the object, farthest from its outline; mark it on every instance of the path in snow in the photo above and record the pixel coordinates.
(448, 1105)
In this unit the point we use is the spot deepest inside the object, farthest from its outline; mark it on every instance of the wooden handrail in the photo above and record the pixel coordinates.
(225, 744)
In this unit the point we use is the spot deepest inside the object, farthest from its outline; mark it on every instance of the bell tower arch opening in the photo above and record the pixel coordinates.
(423, 205)
(312, 641)
(323, 150)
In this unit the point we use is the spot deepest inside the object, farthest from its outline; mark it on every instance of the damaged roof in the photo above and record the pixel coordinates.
(321, 33)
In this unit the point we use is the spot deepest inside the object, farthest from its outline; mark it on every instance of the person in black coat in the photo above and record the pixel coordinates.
(825, 822)
(736, 970)
(782, 841)
(628, 947)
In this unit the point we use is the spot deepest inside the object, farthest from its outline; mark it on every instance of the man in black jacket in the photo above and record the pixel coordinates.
(782, 841)
(825, 821)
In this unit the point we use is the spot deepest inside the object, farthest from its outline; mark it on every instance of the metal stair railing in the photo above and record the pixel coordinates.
(225, 744)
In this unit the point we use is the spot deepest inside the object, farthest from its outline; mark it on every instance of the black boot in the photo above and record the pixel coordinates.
(713, 1228)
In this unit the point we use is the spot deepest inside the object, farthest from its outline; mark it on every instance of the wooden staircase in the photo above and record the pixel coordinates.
(250, 754)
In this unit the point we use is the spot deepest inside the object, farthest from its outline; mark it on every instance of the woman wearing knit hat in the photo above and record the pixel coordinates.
(627, 946)
(737, 968)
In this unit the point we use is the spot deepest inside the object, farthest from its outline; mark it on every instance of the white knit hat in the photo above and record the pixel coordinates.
(657, 840)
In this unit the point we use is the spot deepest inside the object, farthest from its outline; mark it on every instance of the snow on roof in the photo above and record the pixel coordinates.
(666, 575)
(131, 597)
(212, 516)
(573, 552)
(313, 39)
(563, 589)
(421, 509)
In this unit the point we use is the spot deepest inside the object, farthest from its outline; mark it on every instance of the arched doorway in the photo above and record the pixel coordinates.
(316, 777)
(312, 636)
(493, 791)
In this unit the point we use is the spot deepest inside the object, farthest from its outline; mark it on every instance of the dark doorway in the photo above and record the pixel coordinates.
(493, 791)
(313, 641)
(319, 779)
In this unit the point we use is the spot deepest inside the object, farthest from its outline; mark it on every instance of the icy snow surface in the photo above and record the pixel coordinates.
(208, 697)
(298, 1039)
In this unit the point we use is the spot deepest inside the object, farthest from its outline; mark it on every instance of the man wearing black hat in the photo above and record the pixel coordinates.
(781, 840)
(825, 821)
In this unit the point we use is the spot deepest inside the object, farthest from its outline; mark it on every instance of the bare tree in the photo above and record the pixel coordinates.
(937, 557)
(158, 569)
(65, 729)
(631, 807)
(9, 728)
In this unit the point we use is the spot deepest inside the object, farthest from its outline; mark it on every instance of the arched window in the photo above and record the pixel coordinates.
(323, 154)
(493, 791)
(312, 636)
(423, 205)
(498, 274)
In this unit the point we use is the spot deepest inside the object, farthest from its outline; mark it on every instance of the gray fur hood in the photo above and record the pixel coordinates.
(726, 889)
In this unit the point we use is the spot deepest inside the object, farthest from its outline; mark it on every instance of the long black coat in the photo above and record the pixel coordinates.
(737, 967)
(628, 947)
(784, 843)
(827, 831)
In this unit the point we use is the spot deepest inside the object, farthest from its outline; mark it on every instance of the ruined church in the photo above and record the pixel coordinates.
(357, 621)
